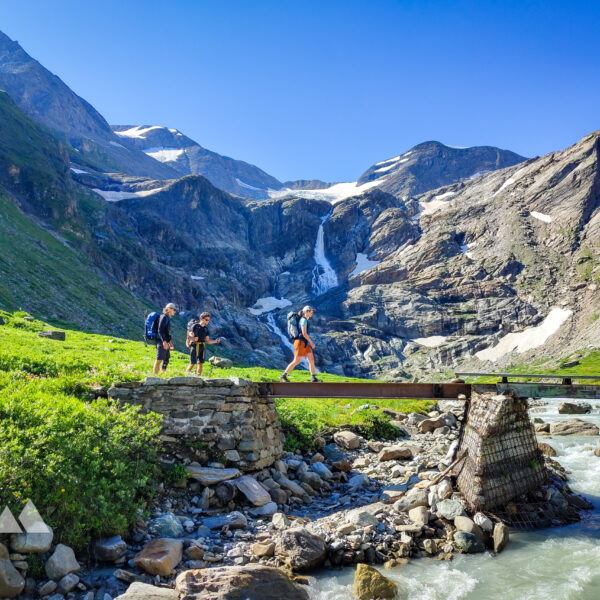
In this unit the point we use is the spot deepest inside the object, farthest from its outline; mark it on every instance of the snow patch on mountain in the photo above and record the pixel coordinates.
(334, 194)
(362, 264)
(248, 186)
(165, 154)
(541, 216)
(263, 305)
(529, 338)
(138, 131)
(115, 196)
(432, 341)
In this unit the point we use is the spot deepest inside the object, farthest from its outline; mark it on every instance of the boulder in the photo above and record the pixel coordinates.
(546, 449)
(332, 453)
(313, 479)
(574, 408)
(450, 509)
(159, 556)
(573, 427)
(361, 518)
(370, 584)
(463, 523)
(11, 581)
(467, 543)
(347, 440)
(26, 543)
(280, 520)
(484, 522)
(53, 335)
(415, 418)
(358, 481)
(166, 526)
(444, 489)
(288, 484)
(501, 537)
(261, 550)
(597, 451)
(428, 425)
(209, 476)
(266, 510)
(220, 362)
(233, 520)
(413, 498)
(110, 549)
(143, 591)
(321, 470)
(250, 582)
(61, 563)
(253, 491)
(395, 453)
(419, 515)
(301, 549)
(68, 583)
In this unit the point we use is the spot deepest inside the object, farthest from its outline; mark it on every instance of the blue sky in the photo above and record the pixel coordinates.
(324, 89)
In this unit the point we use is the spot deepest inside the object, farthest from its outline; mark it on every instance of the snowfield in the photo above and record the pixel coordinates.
(362, 264)
(529, 338)
(263, 305)
(165, 154)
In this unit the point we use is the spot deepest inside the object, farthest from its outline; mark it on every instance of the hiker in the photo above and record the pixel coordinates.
(303, 344)
(164, 345)
(198, 337)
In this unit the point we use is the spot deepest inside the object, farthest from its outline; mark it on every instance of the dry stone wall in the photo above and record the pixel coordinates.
(229, 415)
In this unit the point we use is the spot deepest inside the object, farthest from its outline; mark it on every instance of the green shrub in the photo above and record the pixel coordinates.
(88, 468)
(376, 425)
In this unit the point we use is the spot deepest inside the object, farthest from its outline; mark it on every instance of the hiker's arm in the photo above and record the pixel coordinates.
(306, 336)
(209, 341)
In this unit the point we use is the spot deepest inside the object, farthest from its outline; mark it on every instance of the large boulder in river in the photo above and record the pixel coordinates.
(574, 408)
(143, 591)
(250, 582)
(301, 549)
(370, 584)
(573, 427)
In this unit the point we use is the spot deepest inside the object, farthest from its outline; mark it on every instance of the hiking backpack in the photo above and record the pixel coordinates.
(151, 326)
(293, 325)
(190, 331)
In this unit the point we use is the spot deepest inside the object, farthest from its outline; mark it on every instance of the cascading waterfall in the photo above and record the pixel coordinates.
(324, 276)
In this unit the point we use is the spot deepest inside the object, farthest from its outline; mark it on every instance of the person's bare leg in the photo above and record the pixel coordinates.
(292, 365)
(311, 363)
(190, 367)
(199, 370)
(157, 364)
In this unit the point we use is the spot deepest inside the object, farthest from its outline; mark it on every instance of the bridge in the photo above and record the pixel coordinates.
(447, 391)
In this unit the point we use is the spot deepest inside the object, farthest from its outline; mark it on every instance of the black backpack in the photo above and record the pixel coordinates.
(190, 331)
(293, 326)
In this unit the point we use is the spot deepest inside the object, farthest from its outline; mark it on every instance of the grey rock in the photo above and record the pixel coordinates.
(501, 537)
(296, 490)
(31, 542)
(321, 470)
(484, 522)
(361, 518)
(573, 427)
(110, 549)
(358, 481)
(166, 526)
(68, 583)
(347, 440)
(266, 510)
(143, 591)
(207, 476)
(280, 521)
(413, 498)
(53, 335)
(220, 362)
(450, 509)
(47, 588)
(302, 549)
(574, 408)
(61, 563)
(11, 581)
(332, 453)
(467, 543)
(233, 520)
(396, 453)
(253, 491)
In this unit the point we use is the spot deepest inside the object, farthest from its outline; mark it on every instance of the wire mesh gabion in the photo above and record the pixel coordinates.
(502, 458)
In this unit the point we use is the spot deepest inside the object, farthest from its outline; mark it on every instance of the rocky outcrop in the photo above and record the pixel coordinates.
(573, 427)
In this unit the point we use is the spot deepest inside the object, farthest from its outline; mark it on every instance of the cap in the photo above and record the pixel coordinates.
(171, 305)
(309, 308)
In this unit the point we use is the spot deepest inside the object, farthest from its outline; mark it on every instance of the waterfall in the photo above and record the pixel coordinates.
(324, 277)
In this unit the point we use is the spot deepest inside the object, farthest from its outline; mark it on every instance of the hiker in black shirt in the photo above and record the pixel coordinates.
(198, 338)
(164, 345)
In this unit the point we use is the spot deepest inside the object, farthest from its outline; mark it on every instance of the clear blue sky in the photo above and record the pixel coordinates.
(324, 89)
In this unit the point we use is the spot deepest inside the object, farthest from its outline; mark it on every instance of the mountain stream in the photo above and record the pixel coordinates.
(559, 563)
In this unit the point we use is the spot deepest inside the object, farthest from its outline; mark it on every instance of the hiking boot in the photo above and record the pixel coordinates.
(314, 379)
(283, 377)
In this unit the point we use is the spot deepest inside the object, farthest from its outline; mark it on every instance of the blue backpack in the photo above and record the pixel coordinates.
(151, 326)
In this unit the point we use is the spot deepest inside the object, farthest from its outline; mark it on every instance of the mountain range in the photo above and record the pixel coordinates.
(438, 257)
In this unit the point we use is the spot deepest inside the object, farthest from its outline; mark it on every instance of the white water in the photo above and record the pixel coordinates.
(552, 564)
(324, 276)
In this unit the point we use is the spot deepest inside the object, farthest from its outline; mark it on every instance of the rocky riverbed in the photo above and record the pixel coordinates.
(350, 501)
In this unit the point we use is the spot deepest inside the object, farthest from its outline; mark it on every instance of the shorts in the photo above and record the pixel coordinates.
(162, 354)
(301, 349)
(197, 353)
